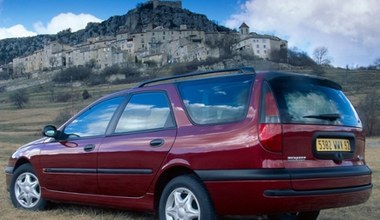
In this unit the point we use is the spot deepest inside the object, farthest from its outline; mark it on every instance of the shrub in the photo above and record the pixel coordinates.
(96, 79)
(184, 68)
(297, 57)
(318, 70)
(132, 75)
(63, 97)
(151, 63)
(4, 76)
(72, 74)
(19, 98)
(86, 94)
(91, 64)
(108, 71)
(62, 117)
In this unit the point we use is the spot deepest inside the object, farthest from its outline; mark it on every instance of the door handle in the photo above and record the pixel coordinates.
(157, 142)
(89, 147)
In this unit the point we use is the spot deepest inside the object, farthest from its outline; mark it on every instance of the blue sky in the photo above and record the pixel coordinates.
(28, 12)
(350, 29)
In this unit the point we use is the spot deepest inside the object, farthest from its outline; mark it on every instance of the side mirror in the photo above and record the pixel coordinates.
(50, 131)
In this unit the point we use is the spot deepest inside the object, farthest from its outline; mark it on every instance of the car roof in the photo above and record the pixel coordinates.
(276, 76)
(224, 72)
(271, 76)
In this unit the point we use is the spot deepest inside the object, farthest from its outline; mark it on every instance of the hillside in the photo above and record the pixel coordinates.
(136, 20)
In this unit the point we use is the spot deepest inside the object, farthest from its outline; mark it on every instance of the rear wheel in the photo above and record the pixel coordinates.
(25, 191)
(185, 198)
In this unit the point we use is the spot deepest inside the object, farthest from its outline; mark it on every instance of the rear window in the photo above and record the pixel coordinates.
(216, 100)
(313, 102)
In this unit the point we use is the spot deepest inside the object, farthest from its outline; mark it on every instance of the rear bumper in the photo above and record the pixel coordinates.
(264, 191)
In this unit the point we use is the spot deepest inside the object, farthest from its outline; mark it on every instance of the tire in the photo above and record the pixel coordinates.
(184, 197)
(308, 215)
(311, 215)
(25, 190)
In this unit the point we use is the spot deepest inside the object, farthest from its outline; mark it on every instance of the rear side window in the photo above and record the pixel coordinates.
(146, 111)
(216, 100)
(309, 102)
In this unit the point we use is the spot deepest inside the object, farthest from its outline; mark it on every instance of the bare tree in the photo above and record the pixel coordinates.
(321, 56)
(377, 63)
(19, 98)
(368, 110)
(20, 69)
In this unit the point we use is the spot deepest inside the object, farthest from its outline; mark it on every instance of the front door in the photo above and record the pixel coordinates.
(70, 165)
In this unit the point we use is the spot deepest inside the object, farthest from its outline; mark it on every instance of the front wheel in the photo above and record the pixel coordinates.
(25, 191)
(185, 198)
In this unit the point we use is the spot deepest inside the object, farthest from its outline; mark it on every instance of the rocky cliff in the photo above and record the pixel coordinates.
(143, 17)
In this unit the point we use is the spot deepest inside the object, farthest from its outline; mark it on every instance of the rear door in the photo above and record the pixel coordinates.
(320, 130)
(133, 152)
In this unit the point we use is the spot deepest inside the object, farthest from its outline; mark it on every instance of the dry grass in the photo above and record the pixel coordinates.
(370, 209)
(18, 127)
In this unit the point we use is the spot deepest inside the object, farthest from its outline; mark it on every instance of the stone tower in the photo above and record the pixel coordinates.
(244, 29)
(170, 3)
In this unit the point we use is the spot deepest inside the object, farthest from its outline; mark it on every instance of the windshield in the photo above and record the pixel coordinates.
(308, 102)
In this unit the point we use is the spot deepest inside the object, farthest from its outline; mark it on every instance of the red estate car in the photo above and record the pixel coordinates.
(203, 145)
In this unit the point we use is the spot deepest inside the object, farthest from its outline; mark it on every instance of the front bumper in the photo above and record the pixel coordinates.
(8, 175)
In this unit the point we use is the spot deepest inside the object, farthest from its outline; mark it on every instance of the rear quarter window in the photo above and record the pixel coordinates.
(216, 100)
(313, 102)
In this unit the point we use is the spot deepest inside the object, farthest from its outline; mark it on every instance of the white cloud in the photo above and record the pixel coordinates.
(64, 21)
(15, 31)
(348, 28)
(58, 23)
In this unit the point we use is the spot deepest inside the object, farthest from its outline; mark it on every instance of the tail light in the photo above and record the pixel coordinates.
(270, 128)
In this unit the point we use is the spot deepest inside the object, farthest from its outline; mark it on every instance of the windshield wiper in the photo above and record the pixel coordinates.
(330, 117)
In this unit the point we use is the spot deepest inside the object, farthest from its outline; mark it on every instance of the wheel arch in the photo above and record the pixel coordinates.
(166, 176)
(21, 161)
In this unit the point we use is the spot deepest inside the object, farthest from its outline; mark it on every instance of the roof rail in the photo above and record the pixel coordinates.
(248, 70)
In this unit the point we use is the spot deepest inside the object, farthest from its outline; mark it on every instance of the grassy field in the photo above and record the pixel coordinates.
(18, 127)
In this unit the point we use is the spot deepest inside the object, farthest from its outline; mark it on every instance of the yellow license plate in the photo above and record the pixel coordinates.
(329, 144)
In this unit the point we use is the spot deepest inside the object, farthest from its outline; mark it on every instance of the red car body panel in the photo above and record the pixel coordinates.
(134, 162)
(59, 162)
(241, 176)
(246, 198)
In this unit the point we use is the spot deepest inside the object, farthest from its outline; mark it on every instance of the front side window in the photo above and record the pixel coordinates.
(146, 111)
(216, 100)
(95, 120)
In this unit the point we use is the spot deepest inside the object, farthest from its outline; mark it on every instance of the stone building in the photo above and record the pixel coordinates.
(170, 3)
(51, 56)
(262, 46)
(164, 41)
(154, 45)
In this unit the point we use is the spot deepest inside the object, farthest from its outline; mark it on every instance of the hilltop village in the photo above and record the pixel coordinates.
(153, 44)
